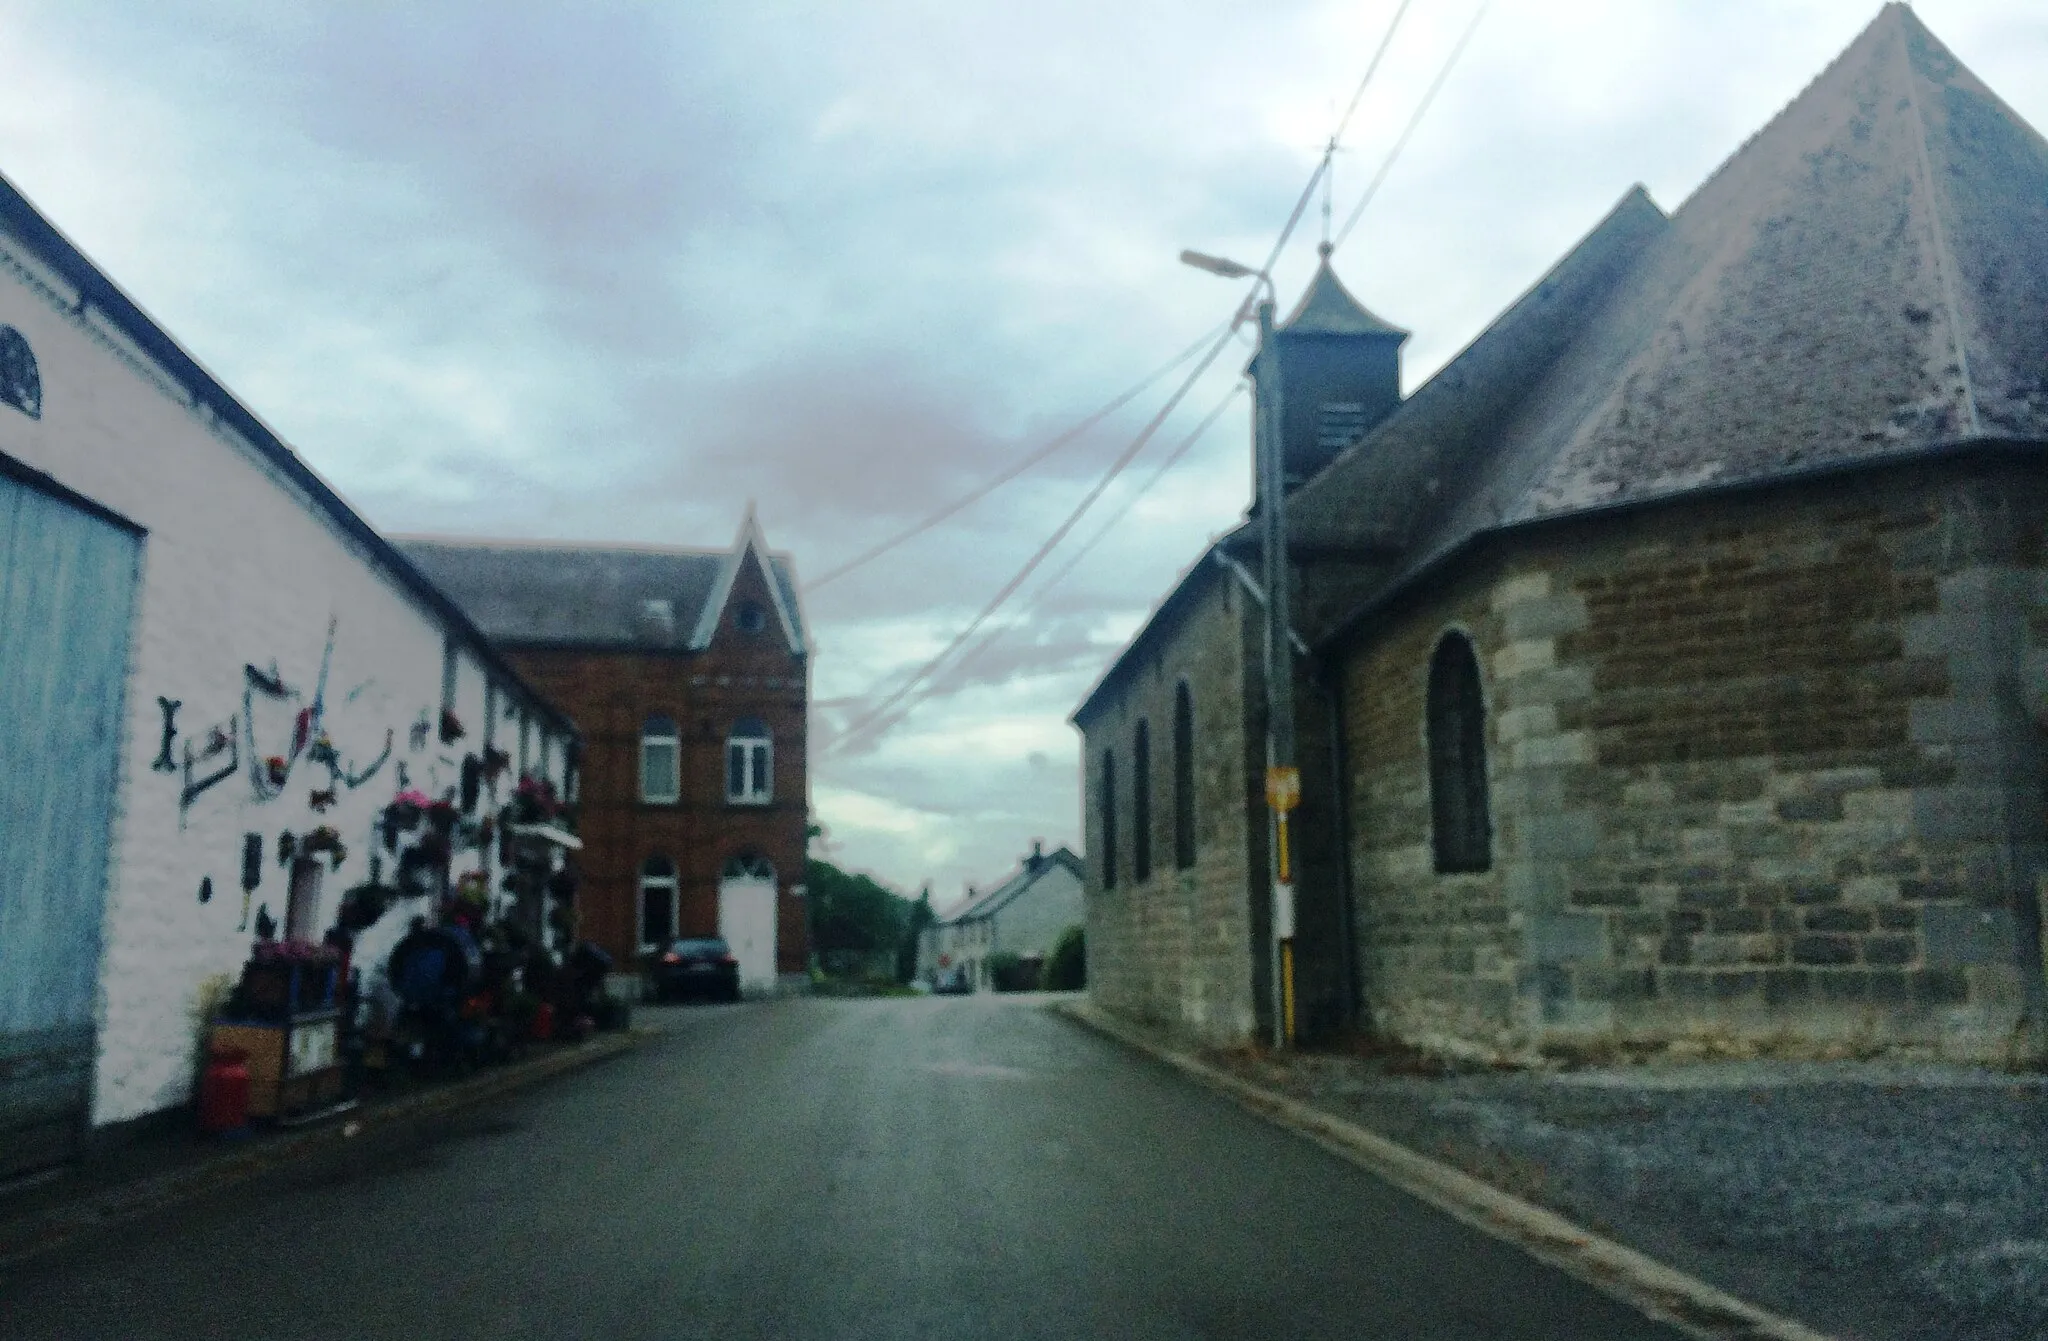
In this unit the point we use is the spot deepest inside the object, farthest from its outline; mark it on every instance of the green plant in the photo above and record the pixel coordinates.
(1066, 968)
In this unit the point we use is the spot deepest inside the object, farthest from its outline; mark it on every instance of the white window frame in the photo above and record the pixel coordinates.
(651, 883)
(755, 757)
(649, 741)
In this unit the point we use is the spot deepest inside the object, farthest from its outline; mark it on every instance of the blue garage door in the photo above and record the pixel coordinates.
(67, 598)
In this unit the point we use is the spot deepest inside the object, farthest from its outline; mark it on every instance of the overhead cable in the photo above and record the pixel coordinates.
(1031, 564)
(982, 491)
(1387, 164)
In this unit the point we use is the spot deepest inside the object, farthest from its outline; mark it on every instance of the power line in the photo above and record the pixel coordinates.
(1173, 458)
(1073, 518)
(924, 672)
(1387, 165)
(982, 491)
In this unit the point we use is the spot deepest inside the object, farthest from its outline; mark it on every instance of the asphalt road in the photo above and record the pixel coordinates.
(922, 1167)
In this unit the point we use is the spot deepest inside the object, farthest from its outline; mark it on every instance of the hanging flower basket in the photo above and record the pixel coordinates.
(495, 761)
(441, 817)
(325, 839)
(451, 727)
(473, 887)
(276, 769)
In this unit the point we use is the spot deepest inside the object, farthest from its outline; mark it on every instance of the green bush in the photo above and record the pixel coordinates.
(1066, 970)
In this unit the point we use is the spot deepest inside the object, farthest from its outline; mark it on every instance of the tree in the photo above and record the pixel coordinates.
(851, 911)
(1066, 968)
(921, 916)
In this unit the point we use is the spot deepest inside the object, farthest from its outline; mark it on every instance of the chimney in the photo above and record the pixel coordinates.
(1037, 857)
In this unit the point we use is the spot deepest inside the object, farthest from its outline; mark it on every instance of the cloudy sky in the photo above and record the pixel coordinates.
(607, 271)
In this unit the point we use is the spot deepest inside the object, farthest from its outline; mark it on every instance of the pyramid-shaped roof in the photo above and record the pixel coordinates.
(1327, 308)
(1868, 276)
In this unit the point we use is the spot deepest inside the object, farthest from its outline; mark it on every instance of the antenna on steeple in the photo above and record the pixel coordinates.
(1329, 171)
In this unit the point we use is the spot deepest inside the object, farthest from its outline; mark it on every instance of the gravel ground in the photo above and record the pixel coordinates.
(1866, 1200)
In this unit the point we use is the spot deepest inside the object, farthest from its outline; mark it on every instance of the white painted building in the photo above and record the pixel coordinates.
(1023, 916)
(181, 600)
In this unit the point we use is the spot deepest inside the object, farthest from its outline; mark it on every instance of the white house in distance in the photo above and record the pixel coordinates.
(203, 651)
(1023, 916)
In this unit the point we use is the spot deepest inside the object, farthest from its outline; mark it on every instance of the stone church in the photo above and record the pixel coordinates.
(1676, 656)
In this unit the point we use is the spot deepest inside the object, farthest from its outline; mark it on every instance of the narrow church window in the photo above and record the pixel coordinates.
(1141, 802)
(1106, 799)
(21, 383)
(1183, 777)
(661, 749)
(1457, 759)
(657, 902)
(749, 760)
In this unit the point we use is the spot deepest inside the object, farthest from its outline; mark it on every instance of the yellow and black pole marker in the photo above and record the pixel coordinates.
(1283, 794)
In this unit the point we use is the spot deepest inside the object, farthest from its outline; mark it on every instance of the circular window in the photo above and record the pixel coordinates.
(752, 618)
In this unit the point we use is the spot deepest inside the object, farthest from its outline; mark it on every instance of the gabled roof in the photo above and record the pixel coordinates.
(549, 594)
(1868, 276)
(781, 587)
(1033, 869)
(1327, 308)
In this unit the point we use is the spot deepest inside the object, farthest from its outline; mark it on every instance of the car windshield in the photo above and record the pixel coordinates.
(708, 946)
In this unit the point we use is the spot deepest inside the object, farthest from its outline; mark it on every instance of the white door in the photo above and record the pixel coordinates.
(746, 919)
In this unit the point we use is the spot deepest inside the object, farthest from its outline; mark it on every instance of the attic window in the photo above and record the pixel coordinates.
(21, 385)
(658, 617)
(1339, 423)
(751, 617)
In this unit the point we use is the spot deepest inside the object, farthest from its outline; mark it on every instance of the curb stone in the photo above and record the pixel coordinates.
(36, 1233)
(1660, 1291)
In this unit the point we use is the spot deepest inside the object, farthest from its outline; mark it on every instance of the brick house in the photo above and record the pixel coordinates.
(688, 672)
(1679, 660)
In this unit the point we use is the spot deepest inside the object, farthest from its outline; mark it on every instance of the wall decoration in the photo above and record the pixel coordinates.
(404, 776)
(320, 801)
(451, 727)
(322, 752)
(164, 763)
(206, 889)
(268, 773)
(266, 925)
(252, 861)
(212, 762)
(270, 682)
(355, 778)
(472, 782)
(287, 848)
(495, 761)
(421, 729)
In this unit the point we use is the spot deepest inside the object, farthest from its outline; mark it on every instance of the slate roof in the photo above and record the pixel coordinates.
(1327, 308)
(1028, 874)
(1866, 278)
(538, 593)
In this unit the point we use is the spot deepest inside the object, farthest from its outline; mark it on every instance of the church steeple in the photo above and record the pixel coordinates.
(1339, 368)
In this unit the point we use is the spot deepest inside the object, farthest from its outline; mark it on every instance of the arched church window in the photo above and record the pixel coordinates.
(1141, 801)
(1183, 777)
(1106, 799)
(1457, 759)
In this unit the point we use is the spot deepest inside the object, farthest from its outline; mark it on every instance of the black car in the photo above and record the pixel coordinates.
(703, 966)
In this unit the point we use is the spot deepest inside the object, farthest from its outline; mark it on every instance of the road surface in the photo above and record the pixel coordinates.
(918, 1167)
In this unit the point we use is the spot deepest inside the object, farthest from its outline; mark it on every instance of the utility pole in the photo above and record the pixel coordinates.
(1283, 777)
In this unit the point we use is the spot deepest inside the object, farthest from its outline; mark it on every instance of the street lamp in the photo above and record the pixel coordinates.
(1283, 777)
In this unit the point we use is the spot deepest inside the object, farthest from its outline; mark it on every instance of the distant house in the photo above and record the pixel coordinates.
(1679, 649)
(689, 672)
(214, 679)
(1023, 916)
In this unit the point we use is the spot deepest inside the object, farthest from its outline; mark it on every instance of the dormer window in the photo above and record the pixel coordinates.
(658, 618)
(751, 618)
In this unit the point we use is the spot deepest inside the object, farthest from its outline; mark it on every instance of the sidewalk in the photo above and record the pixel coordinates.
(161, 1168)
(1873, 1200)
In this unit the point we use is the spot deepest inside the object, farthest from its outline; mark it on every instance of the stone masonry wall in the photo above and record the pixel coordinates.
(1765, 770)
(1177, 949)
